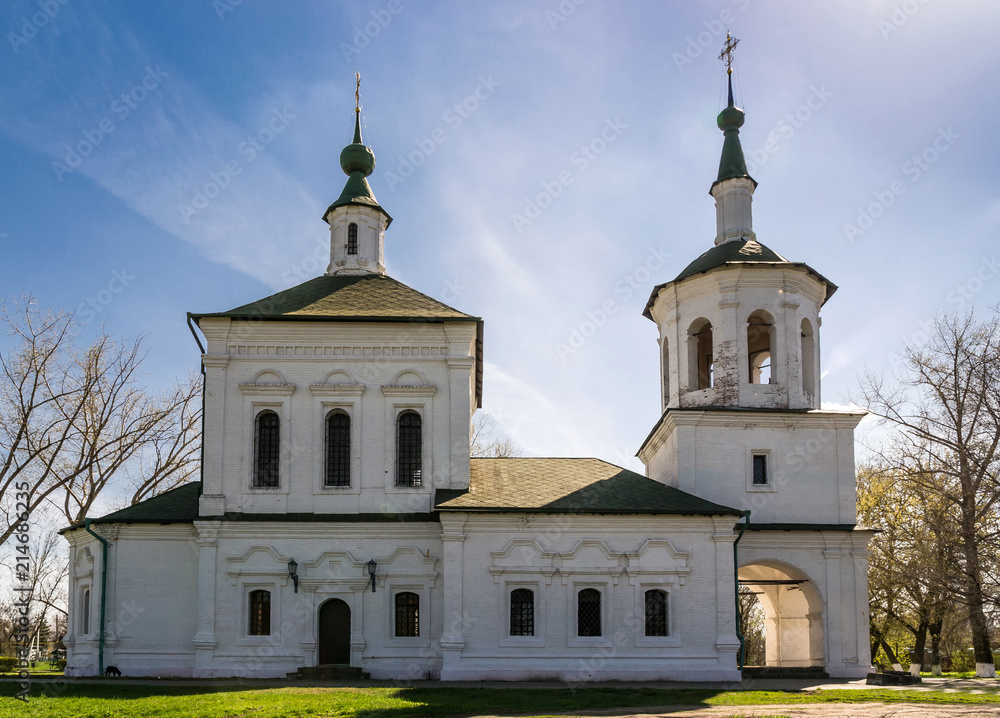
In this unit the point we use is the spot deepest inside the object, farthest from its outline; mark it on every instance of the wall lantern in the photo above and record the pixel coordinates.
(293, 573)
(371, 572)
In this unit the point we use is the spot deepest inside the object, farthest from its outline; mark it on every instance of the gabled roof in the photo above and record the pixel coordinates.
(525, 485)
(355, 298)
(364, 297)
(177, 506)
(748, 252)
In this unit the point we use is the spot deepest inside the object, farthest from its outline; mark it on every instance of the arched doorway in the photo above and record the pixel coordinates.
(334, 633)
(793, 614)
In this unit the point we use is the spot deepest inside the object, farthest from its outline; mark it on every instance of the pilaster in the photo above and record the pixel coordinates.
(204, 640)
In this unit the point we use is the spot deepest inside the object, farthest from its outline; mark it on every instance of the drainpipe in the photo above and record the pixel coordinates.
(204, 386)
(736, 577)
(104, 591)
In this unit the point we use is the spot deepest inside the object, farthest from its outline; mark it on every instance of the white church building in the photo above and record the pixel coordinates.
(340, 521)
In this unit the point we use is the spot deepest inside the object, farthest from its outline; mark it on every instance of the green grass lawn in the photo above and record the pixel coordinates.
(119, 701)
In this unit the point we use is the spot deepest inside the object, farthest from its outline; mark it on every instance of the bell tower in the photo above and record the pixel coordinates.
(738, 334)
(739, 326)
(357, 221)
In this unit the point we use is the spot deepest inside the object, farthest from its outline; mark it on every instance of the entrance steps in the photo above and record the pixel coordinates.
(330, 672)
(766, 672)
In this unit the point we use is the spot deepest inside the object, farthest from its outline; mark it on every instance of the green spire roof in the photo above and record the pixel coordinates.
(358, 162)
(730, 120)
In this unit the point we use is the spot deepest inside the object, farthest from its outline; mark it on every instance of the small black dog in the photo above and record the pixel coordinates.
(112, 671)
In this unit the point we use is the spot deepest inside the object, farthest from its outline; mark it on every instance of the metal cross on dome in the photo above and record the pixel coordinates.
(727, 52)
(357, 92)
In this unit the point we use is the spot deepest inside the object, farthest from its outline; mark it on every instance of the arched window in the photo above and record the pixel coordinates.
(85, 610)
(267, 447)
(665, 368)
(656, 613)
(352, 238)
(700, 368)
(760, 348)
(338, 449)
(407, 614)
(408, 449)
(808, 359)
(522, 612)
(260, 613)
(588, 612)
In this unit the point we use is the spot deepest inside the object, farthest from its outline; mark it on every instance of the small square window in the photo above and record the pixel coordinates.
(760, 470)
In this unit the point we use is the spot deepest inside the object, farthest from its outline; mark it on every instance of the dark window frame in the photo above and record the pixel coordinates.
(589, 617)
(409, 449)
(656, 602)
(759, 472)
(85, 600)
(407, 615)
(259, 610)
(337, 472)
(267, 450)
(352, 238)
(522, 612)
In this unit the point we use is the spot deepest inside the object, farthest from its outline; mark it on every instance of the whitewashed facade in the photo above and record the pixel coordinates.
(571, 571)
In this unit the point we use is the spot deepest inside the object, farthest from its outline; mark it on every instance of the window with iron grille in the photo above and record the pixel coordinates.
(407, 614)
(522, 612)
(267, 449)
(760, 469)
(338, 449)
(656, 613)
(588, 612)
(86, 610)
(408, 445)
(260, 613)
(352, 238)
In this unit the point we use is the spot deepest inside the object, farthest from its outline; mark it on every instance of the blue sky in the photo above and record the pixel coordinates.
(877, 115)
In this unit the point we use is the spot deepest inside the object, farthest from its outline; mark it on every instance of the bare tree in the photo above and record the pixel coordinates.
(485, 441)
(72, 421)
(943, 416)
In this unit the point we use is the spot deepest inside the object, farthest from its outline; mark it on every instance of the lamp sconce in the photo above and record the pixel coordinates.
(293, 568)
(371, 572)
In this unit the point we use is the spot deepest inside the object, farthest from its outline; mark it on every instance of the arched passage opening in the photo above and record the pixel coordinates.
(334, 633)
(793, 614)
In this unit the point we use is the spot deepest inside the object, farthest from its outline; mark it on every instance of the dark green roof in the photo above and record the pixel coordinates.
(358, 191)
(358, 162)
(800, 527)
(737, 252)
(177, 506)
(358, 298)
(366, 297)
(732, 164)
(592, 486)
